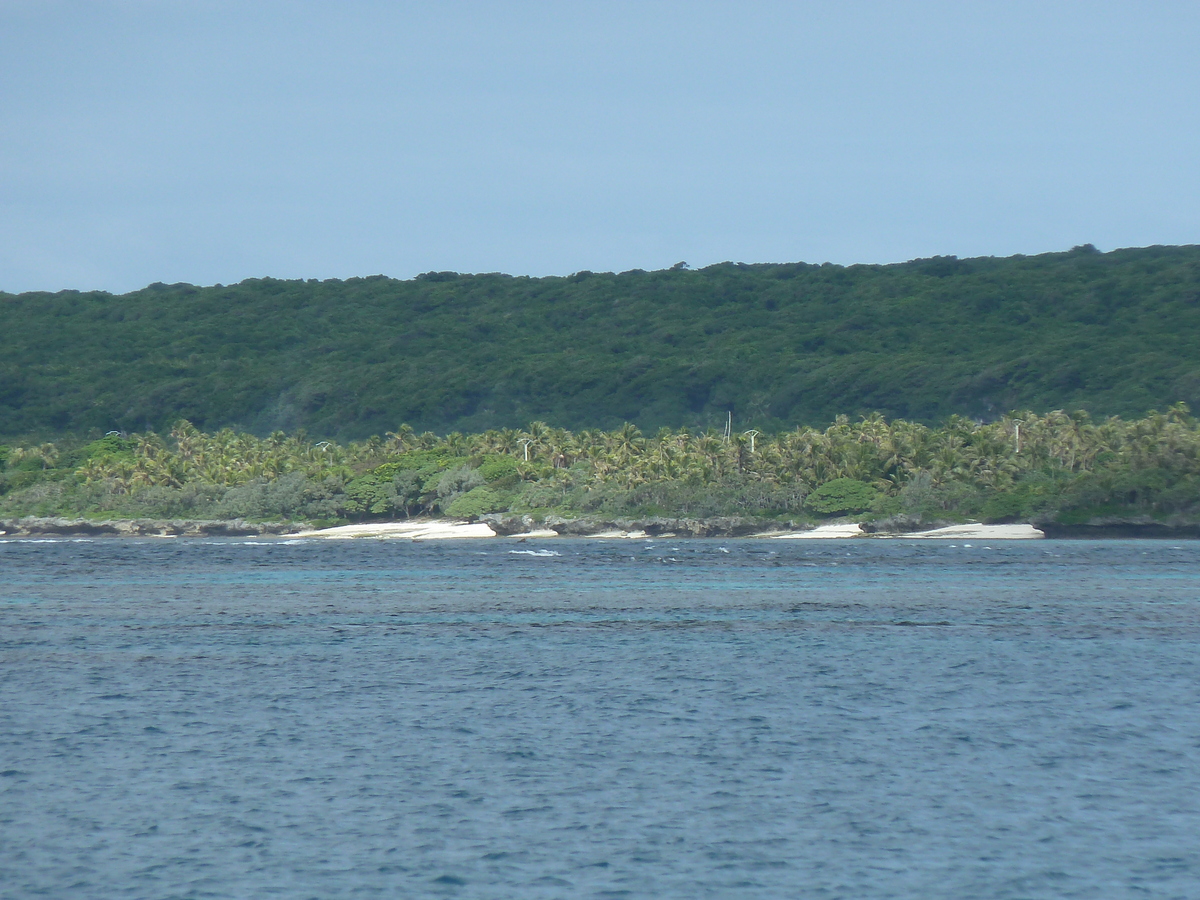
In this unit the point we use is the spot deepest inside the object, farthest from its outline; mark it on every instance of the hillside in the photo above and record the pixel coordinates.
(1112, 333)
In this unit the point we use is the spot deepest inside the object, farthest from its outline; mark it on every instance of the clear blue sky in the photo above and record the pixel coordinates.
(189, 140)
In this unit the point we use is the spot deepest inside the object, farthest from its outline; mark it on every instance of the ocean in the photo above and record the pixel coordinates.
(583, 718)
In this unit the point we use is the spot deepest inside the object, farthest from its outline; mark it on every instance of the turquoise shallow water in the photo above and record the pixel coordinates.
(859, 719)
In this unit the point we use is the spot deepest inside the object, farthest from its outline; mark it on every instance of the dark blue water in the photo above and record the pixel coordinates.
(668, 719)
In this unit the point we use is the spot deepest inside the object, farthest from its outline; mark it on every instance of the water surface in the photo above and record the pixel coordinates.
(574, 718)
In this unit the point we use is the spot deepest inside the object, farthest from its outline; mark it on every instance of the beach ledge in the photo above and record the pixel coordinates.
(526, 527)
(443, 529)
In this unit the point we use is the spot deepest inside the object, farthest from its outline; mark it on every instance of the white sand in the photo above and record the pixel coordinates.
(432, 531)
(976, 532)
(971, 531)
(413, 531)
(844, 530)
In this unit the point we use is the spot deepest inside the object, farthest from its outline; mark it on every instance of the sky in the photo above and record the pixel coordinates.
(209, 141)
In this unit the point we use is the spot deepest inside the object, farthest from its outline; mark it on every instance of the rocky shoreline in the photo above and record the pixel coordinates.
(37, 526)
(1119, 528)
(508, 525)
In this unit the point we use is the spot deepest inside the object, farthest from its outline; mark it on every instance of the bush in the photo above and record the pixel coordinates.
(458, 481)
(379, 493)
(476, 502)
(107, 449)
(279, 498)
(498, 468)
(842, 495)
(1008, 507)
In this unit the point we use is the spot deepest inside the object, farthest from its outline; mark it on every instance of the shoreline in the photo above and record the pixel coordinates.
(553, 527)
(449, 530)
(525, 528)
(52, 526)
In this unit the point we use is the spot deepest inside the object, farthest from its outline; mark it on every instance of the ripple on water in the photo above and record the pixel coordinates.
(681, 719)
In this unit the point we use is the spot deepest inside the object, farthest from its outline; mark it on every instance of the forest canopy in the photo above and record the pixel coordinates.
(778, 345)
(1056, 468)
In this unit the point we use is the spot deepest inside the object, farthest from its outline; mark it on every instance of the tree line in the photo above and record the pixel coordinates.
(1057, 466)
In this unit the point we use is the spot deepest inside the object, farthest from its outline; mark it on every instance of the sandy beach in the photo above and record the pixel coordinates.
(974, 531)
(412, 531)
(839, 530)
(449, 530)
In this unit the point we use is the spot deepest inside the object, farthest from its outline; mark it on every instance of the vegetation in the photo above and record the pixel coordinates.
(1054, 467)
(1112, 333)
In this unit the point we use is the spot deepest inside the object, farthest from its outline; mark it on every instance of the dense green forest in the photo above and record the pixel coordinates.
(898, 475)
(778, 345)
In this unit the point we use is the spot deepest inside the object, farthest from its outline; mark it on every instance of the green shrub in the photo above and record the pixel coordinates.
(842, 495)
(380, 493)
(421, 460)
(476, 502)
(457, 481)
(498, 468)
(426, 463)
(109, 447)
(1004, 508)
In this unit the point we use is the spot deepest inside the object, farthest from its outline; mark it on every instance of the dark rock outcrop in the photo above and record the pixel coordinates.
(1103, 527)
(58, 526)
(508, 523)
